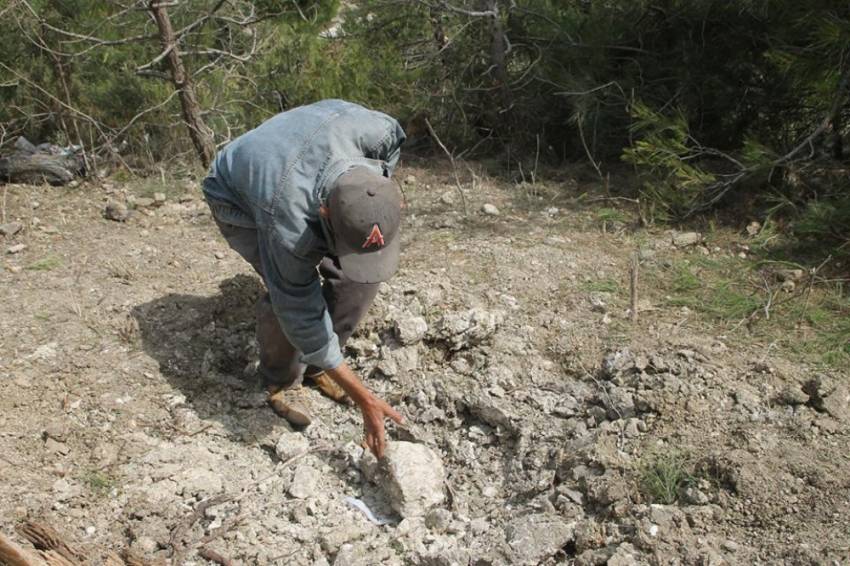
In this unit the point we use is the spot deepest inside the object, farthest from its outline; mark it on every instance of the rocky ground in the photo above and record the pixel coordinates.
(537, 413)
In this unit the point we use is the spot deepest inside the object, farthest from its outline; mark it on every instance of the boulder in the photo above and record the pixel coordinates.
(535, 538)
(415, 478)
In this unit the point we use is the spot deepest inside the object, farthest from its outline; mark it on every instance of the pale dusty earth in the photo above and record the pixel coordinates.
(131, 419)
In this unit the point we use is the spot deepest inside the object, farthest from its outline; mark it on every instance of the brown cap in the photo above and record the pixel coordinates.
(365, 216)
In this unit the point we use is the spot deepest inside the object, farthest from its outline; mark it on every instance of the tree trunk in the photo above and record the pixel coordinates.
(499, 48)
(202, 136)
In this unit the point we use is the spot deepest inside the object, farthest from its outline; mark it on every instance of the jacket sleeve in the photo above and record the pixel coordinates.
(296, 297)
(388, 144)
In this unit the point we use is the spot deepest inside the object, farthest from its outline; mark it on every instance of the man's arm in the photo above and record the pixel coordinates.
(374, 410)
(298, 303)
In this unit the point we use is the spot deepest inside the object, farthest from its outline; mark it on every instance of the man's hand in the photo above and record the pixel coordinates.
(374, 413)
(374, 410)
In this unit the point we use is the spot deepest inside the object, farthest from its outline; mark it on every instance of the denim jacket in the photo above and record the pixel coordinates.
(274, 178)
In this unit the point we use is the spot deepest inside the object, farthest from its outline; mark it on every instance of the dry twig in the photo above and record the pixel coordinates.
(452, 160)
(633, 280)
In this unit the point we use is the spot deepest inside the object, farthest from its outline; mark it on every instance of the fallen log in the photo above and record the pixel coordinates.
(45, 163)
(46, 539)
(52, 549)
(13, 555)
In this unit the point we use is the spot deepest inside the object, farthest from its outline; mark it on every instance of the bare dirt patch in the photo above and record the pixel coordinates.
(131, 420)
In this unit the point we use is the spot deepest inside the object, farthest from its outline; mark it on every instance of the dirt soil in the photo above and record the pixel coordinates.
(131, 417)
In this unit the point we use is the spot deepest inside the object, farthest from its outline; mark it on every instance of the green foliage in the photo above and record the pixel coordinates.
(710, 102)
(601, 286)
(48, 263)
(99, 482)
(664, 474)
(826, 220)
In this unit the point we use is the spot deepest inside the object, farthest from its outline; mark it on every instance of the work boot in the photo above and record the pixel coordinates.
(291, 404)
(328, 387)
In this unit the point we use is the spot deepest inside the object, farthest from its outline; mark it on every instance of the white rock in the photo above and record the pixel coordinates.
(198, 482)
(10, 228)
(415, 478)
(468, 328)
(490, 210)
(304, 481)
(410, 330)
(291, 444)
(534, 538)
(685, 239)
(17, 248)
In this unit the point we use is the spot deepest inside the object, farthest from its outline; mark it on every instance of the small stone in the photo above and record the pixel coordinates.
(219, 255)
(438, 520)
(695, 496)
(64, 490)
(14, 268)
(575, 496)
(17, 248)
(145, 545)
(792, 395)
(304, 481)
(753, 228)
(116, 211)
(490, 210)
(10, 228)
(415, 478)
(387, 366)
(588, 535)
(337, 536)
(837, 403)
(159, 198)
(362, 347)
(290, 445)
(621, 404)
(730, 545)
(534, 538)
(624, 556)
(598, 305)
(410, 180)
(447, 197)
(198, 482)
(410, 330)
(685, 239)
(788, 286)
(143, 202)
(90, 530)
(461, 330)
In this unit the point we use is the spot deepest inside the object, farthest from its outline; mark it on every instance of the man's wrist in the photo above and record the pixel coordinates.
(347, 379)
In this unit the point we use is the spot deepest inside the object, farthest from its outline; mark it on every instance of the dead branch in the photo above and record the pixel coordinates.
(178, 545)
(13, 555)
(46, 539)
(633, 287)
(452, 160)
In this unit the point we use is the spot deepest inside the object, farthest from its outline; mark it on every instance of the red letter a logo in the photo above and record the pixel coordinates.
(375, 237)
